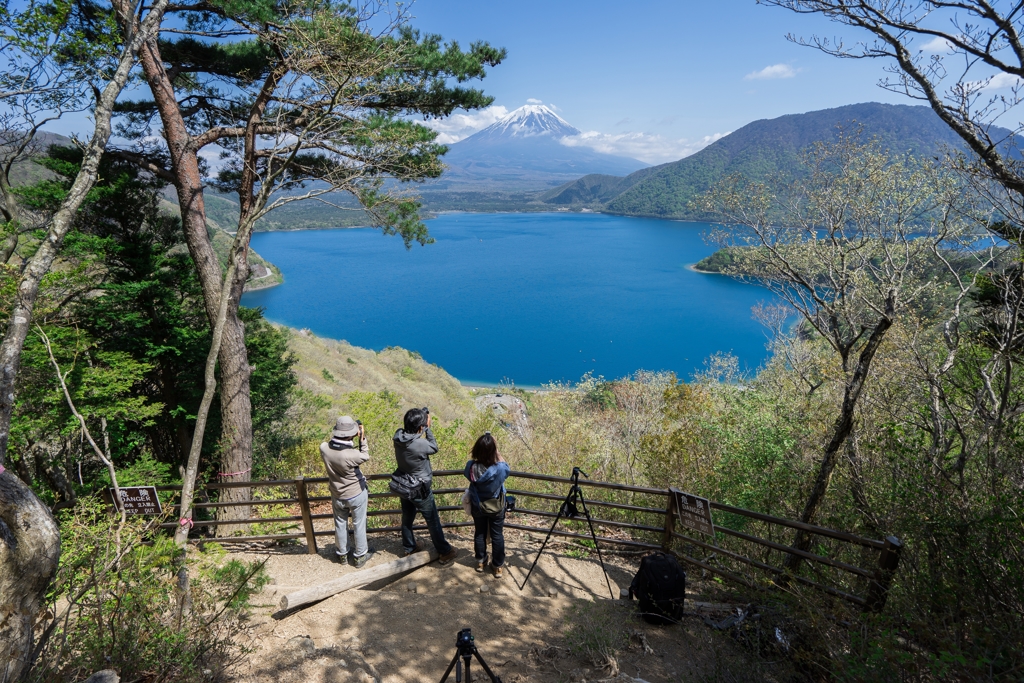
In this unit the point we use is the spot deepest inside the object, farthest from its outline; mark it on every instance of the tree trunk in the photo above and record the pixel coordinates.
(236, 413)
(29, 552)
(192, 469)
(224, 305)
(842, 429)
(236, 408)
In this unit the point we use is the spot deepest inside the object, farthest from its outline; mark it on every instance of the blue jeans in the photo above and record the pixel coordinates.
(428, 508)
(495, 526)
(342, 508)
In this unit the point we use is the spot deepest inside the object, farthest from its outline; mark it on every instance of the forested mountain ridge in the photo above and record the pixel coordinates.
(758, 150)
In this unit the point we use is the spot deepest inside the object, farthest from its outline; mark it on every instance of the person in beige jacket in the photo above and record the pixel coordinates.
(348, 486)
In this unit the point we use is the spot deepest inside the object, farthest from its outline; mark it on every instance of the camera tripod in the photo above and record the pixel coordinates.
(570, 510)
(465, 647)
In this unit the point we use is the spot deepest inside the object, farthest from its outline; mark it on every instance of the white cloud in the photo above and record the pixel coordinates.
(647, 147)
(937, 44)
(212, 156)
(532, 100)
(1001, 80)
(459, 126)
(771, 72)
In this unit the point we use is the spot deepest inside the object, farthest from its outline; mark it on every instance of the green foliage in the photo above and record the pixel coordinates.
(601, 395)
(126, 316)
(723, 260)
(380, 412)
(116, 604)
(270, 385)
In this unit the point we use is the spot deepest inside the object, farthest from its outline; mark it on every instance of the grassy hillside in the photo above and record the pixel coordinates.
(765, 147)
(336, 378)
(333, 369)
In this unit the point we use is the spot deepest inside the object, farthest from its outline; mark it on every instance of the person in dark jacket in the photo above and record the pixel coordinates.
(487, 472)
(414, 444)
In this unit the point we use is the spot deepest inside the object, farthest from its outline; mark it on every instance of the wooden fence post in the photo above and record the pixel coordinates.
(670, 521)
(307, 519)
(888, 561)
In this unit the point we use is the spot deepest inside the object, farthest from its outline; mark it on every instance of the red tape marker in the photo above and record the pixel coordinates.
(233, 474)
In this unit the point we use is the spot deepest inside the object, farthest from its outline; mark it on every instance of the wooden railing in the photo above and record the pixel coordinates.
(748, 549)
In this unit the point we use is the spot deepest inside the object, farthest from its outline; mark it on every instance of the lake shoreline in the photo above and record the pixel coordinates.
(529, 298)
(447, 212)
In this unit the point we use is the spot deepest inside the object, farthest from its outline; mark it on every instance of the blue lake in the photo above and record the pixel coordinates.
(532, 298)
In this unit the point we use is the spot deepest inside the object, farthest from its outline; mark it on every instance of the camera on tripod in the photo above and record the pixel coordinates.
(465, 651)
(464, 641)
(572, 506)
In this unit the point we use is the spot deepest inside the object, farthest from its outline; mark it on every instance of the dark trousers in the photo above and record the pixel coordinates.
(495, 526)
(428, 508)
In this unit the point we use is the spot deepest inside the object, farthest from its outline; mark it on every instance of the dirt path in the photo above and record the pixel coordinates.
(388, 634)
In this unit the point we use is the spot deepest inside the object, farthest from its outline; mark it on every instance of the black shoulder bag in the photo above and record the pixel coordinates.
(407, 486)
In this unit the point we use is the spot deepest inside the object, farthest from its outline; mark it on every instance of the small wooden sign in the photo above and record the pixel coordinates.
(694, 512)
(138, 500)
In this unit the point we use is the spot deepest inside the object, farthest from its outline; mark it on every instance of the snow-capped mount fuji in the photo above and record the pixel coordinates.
(530, 120)
(525, 151)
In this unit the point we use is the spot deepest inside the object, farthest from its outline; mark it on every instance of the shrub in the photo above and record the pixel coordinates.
(118, 602)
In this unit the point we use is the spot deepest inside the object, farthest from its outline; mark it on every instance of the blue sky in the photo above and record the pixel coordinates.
(673, 74)
(656, 81)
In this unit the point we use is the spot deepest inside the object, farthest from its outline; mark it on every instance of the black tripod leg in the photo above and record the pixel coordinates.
(586, 513)
(448, 671)
(494, 679)
(561, 509)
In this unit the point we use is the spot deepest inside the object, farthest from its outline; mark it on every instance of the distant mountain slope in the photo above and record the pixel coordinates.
(27, 171)
(594, 188)
(763, 147)
(524, 151)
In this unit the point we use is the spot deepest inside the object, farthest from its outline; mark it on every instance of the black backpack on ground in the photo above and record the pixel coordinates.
(659, 586)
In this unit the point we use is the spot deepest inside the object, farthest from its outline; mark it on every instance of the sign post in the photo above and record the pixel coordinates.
(694, 512)
(138, 500)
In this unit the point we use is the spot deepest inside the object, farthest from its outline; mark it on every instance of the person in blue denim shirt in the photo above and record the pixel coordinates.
(487, 472)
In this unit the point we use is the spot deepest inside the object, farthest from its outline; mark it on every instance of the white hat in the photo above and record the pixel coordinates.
(345, 427)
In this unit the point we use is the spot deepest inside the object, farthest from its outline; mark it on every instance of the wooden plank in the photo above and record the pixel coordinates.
(768, 568)
(389, 529)
(587, 482)
(356, 580)
(715, 570)
(790, 550)
(568, 534)
(276, 501)
(811, 528)
(888, 562)
(307, 521)
(229, 522)
(247, 539)
(619, 506)
(670, 523)
(595, 520)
